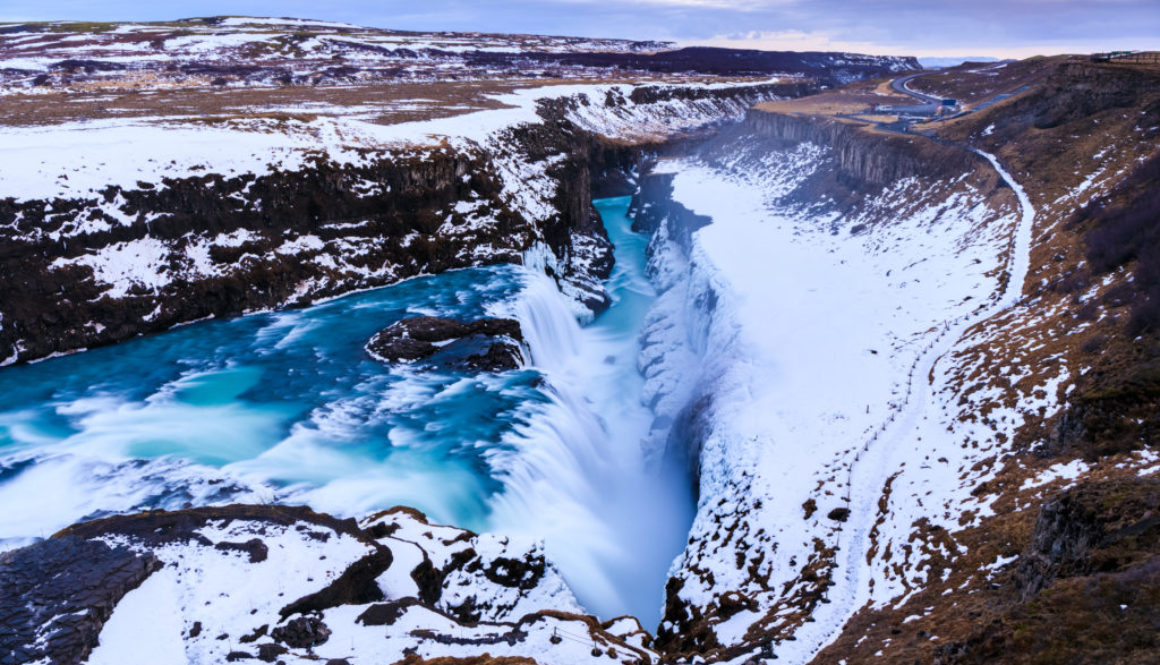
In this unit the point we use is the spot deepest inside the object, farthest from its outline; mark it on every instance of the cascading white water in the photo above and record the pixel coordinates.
(577, 475)
(288, 407)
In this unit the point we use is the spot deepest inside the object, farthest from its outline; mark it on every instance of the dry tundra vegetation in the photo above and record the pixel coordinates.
(226, 67)
(385, 103)
(1078, 574)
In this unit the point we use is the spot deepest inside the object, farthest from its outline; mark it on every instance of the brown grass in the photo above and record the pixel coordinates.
(831, 103)
(972, 83)
(147, 96)
(1046, 331)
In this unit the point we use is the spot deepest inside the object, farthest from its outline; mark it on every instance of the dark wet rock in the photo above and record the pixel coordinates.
(654, 203)
(839, 514)
(302, 632)
(487, 344)
(258, 633)
(254, 547)
(56, 595)
(160, 527)
(429, 580)
(269, 652)
(356, 586)
(385, 614)
(1091, 528)
(521, 574)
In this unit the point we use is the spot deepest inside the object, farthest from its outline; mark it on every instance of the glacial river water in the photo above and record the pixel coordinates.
(287, 407)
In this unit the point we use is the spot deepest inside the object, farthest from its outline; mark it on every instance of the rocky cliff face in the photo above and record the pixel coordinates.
(864, 158)
(130, 259)
(214, 245)
(133, 260)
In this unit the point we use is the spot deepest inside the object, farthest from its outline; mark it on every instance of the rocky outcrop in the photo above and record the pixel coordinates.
(220, 246)
(1095, 527)
(370, 584)
(490, 345)
(654, 205)
(263, 241)
(58, 595)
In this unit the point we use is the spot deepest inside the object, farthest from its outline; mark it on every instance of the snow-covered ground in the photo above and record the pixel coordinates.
(76, 159)
(228, 588)
(823, 345)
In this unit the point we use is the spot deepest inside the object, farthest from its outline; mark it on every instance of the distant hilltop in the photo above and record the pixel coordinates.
(245, 51)
(942, 63)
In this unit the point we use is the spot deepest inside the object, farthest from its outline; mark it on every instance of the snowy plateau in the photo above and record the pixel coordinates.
(701, 358)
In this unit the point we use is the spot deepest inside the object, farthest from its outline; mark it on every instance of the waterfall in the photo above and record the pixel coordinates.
(575, 471)
(552, 452)
(551, 332)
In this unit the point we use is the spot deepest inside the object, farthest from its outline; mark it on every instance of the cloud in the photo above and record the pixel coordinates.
(803, 40)
(1002, 28)
(735, 5)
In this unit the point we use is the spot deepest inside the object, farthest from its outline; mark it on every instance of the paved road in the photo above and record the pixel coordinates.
(899, 85)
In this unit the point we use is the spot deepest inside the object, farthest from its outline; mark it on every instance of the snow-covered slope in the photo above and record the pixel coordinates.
(821, 396)
(286, 584)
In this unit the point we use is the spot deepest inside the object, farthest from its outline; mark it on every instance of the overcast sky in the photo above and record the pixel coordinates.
(1004, 28)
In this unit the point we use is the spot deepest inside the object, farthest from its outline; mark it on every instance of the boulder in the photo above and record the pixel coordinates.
(486, 344)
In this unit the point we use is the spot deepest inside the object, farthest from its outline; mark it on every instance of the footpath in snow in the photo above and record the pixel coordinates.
(916, 419)
(817, 354)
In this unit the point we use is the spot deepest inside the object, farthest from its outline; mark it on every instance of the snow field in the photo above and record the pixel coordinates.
(816, 356)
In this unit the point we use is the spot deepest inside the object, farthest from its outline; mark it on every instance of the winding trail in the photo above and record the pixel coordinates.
(871, 467)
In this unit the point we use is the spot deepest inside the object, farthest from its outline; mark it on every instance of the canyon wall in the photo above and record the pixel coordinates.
(864, 157)
(129, 259)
